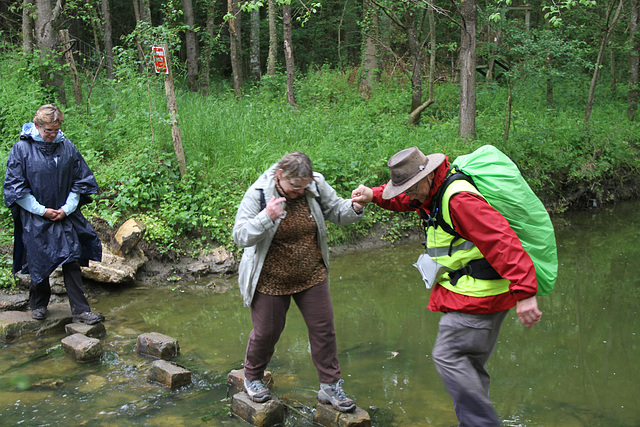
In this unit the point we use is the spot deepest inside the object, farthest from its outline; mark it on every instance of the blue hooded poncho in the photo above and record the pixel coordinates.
(49, 171)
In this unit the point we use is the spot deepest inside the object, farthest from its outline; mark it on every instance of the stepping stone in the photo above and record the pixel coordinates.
(269, 413)
(170, 374)
(327, 416)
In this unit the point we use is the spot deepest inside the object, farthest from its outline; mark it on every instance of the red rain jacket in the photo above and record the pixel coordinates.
(475, 220)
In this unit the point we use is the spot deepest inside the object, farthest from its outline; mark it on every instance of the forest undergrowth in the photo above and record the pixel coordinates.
(123, 131)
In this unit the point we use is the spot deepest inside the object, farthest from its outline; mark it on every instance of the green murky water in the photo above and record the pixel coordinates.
(579, 367)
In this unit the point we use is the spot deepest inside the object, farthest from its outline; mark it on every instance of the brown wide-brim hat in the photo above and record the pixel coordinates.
(407, 168)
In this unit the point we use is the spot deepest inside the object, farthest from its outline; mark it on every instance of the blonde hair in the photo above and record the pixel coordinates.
(296, 165)
(48, 114)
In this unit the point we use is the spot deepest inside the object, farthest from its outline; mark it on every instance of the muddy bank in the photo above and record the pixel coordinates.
(171, 268)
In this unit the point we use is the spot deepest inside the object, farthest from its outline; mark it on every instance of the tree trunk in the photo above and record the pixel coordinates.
(346, 2)
(108, 42)
(370, 67)
(235, 45)
(288, 53)
(140, 51)
(433, 47)
(145, 11)
(467, 112)
(273, 39)
(415, 50)
(95, 23)
(208, 47)
(632, 96)
(254, 59)
(549, 65)
(68, 54)
(172, 106)
(605, 40)
(191, 45)
(47, 43)
(27, 26)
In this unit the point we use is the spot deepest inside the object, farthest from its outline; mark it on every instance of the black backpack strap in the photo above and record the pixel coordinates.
(478, 268)
(318, 198)
(436, 218)
(263, 202)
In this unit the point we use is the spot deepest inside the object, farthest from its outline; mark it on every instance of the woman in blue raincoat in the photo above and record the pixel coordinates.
(46, 182)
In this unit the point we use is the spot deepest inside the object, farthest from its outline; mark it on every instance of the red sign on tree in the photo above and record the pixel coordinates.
(160, 60)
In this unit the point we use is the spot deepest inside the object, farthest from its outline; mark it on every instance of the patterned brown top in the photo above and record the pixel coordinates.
(294, 260)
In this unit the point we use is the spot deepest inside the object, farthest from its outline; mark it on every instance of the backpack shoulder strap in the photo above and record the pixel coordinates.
(263, 202)
(454, 175)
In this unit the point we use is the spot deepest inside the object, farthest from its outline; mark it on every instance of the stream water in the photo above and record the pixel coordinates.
(579, 367)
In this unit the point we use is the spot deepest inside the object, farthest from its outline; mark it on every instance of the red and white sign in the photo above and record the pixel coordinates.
(160, 60)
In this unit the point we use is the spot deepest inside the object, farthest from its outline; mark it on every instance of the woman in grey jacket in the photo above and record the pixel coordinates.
(281, 226)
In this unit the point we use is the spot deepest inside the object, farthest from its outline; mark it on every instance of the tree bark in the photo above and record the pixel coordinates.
(254, 60)
(68, 54)
(433, 48)
(370, 67)
(27, 26)
(208, 47)
(414, 117)
(235, 45)
(605, 40)
(467, 111)
(95, 23)
(549, 65)
(273, 39)
(191, 45)
(288, 53)
(47, 43)
(415, 49)
(632, 96)
(108, 37)
(145, 11)
(140, 51)
(172, 106)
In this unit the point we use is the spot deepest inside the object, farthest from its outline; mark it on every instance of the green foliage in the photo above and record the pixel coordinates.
(124, 134)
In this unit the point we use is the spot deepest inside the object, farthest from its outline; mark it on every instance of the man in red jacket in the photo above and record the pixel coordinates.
(474, 303)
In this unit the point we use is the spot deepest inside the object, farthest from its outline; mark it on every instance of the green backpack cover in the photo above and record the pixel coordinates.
(502, 185)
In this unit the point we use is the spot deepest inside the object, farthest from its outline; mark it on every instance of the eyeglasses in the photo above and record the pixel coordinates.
(296, 187)
(50, 131)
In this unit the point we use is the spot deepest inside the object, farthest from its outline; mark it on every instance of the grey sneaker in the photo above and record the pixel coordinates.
(88, 317)
(257, 390)
(39, 313)
(335, 395)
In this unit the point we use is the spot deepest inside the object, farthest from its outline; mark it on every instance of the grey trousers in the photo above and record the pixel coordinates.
(269, 314)
(463, 346)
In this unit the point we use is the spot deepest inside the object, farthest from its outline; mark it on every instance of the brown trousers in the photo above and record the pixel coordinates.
(269, 313)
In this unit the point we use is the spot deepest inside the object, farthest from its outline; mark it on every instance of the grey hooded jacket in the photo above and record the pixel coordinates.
(253, 229)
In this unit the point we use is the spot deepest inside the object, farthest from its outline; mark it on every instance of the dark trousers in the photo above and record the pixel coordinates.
(269, 313)
(463, 347)
(40, 293)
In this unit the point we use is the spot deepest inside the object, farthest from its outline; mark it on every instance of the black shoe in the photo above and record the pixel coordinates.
(39, 313)
(88, 317)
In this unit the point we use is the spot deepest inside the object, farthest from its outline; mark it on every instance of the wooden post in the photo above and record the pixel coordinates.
(172, 105)
(68, 55)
